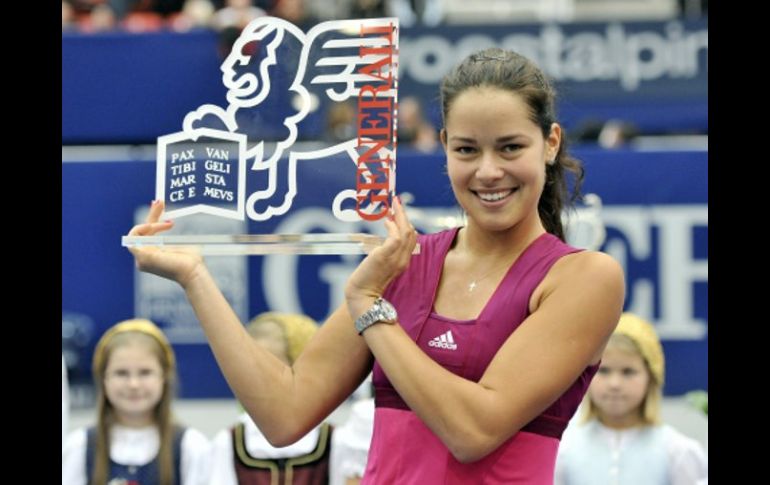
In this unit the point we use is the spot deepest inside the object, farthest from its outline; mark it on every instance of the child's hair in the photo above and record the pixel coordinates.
(636, 335)
(148, 334)
(297, 330)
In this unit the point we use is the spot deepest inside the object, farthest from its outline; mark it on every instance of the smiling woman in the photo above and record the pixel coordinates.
(496, 158)
(483, 344)
(135, 437)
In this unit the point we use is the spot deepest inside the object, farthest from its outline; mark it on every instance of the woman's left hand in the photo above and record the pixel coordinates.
(383, 264)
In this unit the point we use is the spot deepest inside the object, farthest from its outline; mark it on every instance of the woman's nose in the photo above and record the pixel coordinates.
(489, 167)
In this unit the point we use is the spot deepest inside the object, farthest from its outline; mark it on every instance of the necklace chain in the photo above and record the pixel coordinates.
(474, 283)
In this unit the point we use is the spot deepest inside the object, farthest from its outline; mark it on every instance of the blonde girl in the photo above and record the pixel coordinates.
(621, 438)
(135, 440)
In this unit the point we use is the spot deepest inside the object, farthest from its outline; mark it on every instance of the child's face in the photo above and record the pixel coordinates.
(619, 388)
(133, 383)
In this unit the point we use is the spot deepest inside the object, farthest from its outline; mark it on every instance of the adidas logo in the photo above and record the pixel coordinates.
(444, 341)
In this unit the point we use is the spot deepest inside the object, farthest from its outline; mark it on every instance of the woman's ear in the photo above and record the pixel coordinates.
(442, 137)
(553, 142)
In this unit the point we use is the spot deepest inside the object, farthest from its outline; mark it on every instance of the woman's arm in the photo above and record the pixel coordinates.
(580, 306)
(576, 308)
(285, 402)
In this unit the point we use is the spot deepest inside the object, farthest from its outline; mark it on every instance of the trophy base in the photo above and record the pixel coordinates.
(259, 244)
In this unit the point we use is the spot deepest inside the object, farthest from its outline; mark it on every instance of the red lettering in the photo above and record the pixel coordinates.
(378, 29)
(375, 70)
(370, 183)
(374, 111)
(373, 102)
(384, 207)
(371, 152)
(375, 127)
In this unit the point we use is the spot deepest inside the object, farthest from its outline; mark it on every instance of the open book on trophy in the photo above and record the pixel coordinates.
(307, 135)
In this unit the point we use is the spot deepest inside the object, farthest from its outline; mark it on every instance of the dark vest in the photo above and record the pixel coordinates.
(309, 469)
(135, 475)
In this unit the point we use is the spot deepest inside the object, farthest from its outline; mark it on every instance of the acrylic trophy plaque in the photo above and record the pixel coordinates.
(309, 123)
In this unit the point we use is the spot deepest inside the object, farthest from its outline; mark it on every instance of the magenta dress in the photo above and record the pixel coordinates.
(404, 450)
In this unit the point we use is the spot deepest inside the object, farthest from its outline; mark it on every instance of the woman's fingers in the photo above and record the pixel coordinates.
(156, 209)
(405, 228)
(152, 225)
(150, 228)
(401, 240)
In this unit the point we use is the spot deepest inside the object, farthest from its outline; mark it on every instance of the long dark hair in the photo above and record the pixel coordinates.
(508, 70)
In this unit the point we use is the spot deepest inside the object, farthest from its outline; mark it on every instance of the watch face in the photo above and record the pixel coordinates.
(387, 311)
(381, 311)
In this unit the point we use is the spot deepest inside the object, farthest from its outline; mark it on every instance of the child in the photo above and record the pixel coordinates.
(135, 440)
(242, 454)
(621, 439)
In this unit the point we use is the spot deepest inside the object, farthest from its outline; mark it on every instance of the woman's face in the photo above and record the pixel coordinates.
(496, 157)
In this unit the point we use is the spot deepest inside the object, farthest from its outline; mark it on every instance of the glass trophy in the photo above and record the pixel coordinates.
(303, 148)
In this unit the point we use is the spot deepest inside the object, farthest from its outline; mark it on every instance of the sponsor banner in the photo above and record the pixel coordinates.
(628, 71)
(632, 71)
(654, 207)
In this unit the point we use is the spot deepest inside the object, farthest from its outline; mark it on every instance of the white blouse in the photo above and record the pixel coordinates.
(137, 446)
(594, 454)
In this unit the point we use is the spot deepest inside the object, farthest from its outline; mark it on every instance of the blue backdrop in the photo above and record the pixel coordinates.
(133, 88)
(119, 88)
(655, 210)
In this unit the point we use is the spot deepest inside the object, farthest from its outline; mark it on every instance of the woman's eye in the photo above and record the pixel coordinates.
(511, 147)
(464, 150)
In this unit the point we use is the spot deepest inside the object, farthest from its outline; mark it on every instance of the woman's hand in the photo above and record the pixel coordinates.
(176, 264)
(383, 264)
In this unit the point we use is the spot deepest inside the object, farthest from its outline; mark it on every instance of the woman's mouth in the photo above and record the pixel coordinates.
(494, 196)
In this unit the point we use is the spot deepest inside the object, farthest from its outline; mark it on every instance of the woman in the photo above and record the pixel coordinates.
(491, 334)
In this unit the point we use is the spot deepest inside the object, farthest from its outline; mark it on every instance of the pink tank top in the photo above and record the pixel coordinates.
(403, 449)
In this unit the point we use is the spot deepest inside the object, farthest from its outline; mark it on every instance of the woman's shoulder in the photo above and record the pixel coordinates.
(440, 238)
(583, 267)
(433, 247)
(590, 259)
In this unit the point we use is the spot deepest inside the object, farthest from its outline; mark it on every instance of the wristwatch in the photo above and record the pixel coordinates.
(380, 311)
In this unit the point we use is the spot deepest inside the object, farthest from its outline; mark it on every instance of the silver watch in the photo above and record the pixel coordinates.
(380, 311)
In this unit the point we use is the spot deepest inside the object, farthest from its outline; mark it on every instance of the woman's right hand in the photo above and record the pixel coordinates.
(176, 264)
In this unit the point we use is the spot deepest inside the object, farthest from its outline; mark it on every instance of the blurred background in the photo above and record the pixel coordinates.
(633, 80)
